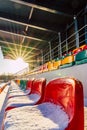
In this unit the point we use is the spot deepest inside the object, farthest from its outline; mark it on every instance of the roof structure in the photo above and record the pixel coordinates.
(29, 25)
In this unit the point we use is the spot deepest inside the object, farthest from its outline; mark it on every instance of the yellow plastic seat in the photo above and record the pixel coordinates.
(56, 64)
(68, 59)
(50, 65)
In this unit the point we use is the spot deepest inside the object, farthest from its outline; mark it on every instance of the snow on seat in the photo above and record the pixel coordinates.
(45, 116)
(14, 88)
(61, 109)
(68, 92)
(34, 96)
(18, 92)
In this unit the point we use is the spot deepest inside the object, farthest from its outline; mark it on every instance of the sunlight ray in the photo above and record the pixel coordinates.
(6, 44)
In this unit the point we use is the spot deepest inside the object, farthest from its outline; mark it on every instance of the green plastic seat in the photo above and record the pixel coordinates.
(81, 57)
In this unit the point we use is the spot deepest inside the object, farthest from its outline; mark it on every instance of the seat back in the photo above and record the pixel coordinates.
(85, 47)
(29, 84)
(17, 81)
(68, 59)
(68, 93)
(39, 88)
(76, 51)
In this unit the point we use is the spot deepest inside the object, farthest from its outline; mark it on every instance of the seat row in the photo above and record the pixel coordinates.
(2, 86)
(77, 56)
(57, 105)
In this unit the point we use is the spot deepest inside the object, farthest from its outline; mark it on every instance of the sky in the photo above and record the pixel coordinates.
(8, 66)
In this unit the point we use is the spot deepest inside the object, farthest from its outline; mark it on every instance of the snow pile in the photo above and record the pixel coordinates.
(18, 92)
(19, 97)
(15, 90)
(45, 116)
(23, 100)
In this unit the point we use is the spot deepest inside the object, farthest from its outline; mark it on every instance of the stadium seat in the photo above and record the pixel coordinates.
(29, 84)
(76, 51)
(67, 61)
(37, 89)
(17, 81)
(50, 65)
(68, 93)
(64, 92)
(85, 47)
(23, 84)
(56, 64)
(81, 57)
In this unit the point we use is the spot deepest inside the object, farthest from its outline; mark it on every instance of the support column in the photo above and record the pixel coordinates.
(85, 21)
(59, 35)
(76, 31)
(42, 58)
(50, 51)
(66, 43)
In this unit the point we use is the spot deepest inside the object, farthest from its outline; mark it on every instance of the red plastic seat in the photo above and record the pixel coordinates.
(39, 88)
(29, 84)
(77, 50)
(68, 93)
(85, 47)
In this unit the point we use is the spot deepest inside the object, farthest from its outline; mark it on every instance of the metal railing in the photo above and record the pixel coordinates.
(67, 45)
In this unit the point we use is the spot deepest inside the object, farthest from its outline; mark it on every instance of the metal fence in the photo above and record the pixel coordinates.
(63, 47)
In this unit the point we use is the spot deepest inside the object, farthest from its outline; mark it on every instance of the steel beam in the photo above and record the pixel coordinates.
(41, 7)
(28, 25)
(20, 35)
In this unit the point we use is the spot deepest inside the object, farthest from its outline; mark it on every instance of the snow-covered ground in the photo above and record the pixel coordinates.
(3, 98)
(45, 116)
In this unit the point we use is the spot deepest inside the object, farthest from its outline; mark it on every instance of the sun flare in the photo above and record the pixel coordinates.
(21, 62)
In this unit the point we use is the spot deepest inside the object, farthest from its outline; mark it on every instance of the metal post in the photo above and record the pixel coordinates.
(42, 58)
(66, 43)
(76, 31)
(85, 20)
(59, 35)
(30, 15)
(50, 51)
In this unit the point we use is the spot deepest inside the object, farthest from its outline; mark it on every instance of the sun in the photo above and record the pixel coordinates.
(20, 60)
(21, 63)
